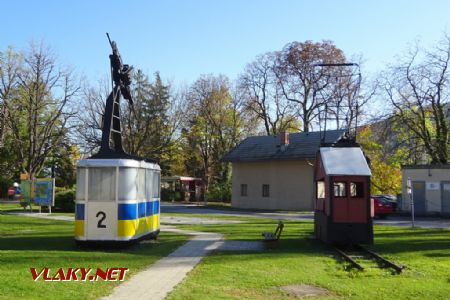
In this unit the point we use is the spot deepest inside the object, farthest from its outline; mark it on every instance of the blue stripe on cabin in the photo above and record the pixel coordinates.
(79, 212)
(148, 209)
(155, 207)
(127, 211)
(141, 209)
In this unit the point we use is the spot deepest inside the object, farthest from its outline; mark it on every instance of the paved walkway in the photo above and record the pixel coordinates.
(196, 221)
(159, 279)
(420, 222)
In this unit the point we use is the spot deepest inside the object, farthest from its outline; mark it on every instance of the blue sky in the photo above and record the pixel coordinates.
(184, 39)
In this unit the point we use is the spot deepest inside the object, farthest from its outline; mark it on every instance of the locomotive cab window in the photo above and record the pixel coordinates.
(320, 189)
(357, 189)
(339, 189)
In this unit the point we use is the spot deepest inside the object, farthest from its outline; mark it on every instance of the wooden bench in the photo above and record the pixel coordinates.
(270, 237)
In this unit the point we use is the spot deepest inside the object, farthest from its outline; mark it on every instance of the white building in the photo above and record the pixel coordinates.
(430, 189)
(277, 172)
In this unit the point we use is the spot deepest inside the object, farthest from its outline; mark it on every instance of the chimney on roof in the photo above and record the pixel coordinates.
(284, 138)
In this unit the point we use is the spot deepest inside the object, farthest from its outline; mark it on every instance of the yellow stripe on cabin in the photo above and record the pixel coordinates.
(79, 227)
(155, 222)
(148, 223)
(127, 227)
(141, 226)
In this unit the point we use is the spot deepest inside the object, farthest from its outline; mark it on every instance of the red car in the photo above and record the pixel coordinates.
(382, 207)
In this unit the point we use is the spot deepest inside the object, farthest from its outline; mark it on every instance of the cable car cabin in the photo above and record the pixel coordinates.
(117, 200)
(343, 206)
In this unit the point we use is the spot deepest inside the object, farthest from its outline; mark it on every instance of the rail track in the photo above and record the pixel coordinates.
(356, 253)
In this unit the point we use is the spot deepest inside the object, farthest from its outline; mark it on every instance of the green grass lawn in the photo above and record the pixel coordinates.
(298, 259)
(30, 242)
(210, 216)
(5, 207)
(11, 206)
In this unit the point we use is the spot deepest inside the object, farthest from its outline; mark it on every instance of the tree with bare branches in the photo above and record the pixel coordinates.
(417, 88)
(301, 81)
(89, 120)
(263, 96)
(10, 66)
(39, 114)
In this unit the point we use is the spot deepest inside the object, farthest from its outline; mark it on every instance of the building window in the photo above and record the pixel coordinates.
(339, 189)
(357, 189)
(320, 189)
(243, 190)
(265, 190)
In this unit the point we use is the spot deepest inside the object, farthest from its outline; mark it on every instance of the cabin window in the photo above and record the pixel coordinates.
(357, 189)
(265, 190)
(320, 189)
(156, 183)
(339, 189)
(81, 184)
(141, 184)
(243, 190)
(102, 184)
(127, 183)
(148, 184)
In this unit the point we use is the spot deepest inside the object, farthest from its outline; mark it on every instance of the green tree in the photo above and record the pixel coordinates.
(10, 66)
(148, 130)
(11, 63)
(213, 127)
(63, 162)
(38, 112)
(385, 167)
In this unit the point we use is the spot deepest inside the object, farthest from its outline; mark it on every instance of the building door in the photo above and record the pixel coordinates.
(445, 194)
(419, 197)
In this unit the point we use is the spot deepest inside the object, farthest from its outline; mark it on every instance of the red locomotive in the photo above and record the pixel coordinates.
(343, 206)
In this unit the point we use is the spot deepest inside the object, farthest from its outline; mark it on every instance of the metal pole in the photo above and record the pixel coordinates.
(411, 195)
(412, 210)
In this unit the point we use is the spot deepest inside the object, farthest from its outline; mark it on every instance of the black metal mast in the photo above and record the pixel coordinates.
(121, 79)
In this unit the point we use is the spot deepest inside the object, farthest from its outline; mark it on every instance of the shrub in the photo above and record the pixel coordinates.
(5, 183)
(169, 195)
(64, 201)
(220, 192)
